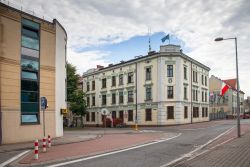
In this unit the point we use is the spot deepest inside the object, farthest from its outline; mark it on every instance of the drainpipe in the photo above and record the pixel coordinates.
(191, 92)
(136, 117)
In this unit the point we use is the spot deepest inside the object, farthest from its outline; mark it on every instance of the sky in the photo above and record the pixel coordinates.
(108, 31)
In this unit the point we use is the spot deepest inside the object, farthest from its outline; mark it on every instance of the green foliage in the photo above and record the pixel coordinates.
(72, 79)
(78, 104)
(75, 97)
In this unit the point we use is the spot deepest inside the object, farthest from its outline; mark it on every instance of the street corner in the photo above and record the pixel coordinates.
(103, 144)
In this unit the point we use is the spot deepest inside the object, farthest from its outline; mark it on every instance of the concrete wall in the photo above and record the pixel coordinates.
(61, 44)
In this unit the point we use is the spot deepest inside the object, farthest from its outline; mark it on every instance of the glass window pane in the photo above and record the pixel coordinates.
(30, 23)
(29, 85)
(30, 52)
(30, 43)
(29, 107)
(30, 33)
(29, 96)
(29, 64)
(29, 75)
(29, 118)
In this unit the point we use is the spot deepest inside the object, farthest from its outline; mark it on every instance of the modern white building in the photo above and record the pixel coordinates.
(161, 88)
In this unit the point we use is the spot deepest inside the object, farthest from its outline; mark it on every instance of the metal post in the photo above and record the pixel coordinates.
(238, 85)
(43, 122)
(238, 98)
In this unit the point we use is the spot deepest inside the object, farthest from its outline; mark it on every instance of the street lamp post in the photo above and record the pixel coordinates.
(237, 78)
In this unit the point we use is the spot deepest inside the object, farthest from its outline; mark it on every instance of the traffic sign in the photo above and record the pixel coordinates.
(43, 103)
(105, 111)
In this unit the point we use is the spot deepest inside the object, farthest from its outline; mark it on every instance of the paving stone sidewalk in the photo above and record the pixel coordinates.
(56, 141)
(107, 143)
(70, 136)
(235, 153)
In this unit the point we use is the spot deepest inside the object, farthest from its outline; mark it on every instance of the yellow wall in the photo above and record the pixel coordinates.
(10, 44)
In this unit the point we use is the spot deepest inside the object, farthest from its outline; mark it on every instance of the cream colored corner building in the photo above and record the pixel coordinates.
(32, 65)
(163, 88)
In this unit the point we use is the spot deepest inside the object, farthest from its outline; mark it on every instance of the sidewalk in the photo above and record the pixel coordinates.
(234, 153)
(70, 136)
(107, 143)
(55, 141)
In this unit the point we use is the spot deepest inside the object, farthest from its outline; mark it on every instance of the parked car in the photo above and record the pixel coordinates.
(245, 116)
(118, 123)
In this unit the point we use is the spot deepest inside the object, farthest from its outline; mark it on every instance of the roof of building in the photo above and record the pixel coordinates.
(150, 54)
(232, 83)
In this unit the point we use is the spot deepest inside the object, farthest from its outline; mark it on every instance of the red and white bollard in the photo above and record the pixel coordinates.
(44, 144)
(49, 141)
(36, 150)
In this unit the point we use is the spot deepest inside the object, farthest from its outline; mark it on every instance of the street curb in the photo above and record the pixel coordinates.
(55, 144)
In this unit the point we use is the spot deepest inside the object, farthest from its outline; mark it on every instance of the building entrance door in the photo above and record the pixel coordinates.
(121, 116)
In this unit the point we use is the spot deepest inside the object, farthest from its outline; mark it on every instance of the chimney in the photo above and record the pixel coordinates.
(99, 66)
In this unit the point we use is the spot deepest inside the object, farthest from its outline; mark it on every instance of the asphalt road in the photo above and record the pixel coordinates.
(160, 153)
(4, 156)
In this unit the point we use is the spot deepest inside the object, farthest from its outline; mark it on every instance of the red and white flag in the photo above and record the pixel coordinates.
(224, 89)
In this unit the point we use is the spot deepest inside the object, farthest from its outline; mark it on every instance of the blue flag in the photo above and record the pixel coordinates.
(165, 38)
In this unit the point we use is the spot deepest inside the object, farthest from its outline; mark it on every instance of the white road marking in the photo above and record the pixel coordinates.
(190, 154)
(149, 131)
(113, 152)
(196, 155)
(200, 128)
(13, 158)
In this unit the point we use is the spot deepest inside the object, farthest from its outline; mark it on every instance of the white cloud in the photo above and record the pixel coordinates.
(197, 23)
(86, 60)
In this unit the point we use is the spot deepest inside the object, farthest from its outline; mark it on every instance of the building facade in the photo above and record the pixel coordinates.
(228, 103)
(32, 65)
(161, 88)
(247, 105)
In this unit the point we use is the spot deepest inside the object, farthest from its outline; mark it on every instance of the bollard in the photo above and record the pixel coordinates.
(36, 150)
(49, 141)
(44, 144)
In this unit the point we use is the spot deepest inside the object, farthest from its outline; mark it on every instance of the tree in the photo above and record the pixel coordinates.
(72, 79)
(78, 104)
(75, 97)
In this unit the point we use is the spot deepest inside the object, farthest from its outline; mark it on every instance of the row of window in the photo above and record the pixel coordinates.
(30, 72)
(148, 93)
(204, 96)
(121, 97)
(113, 97)
(148, 114)
(203, 78)
(148, 76)
(130, 78)
(113, 81)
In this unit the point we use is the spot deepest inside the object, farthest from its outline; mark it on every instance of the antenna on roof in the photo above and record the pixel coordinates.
(149, 41)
